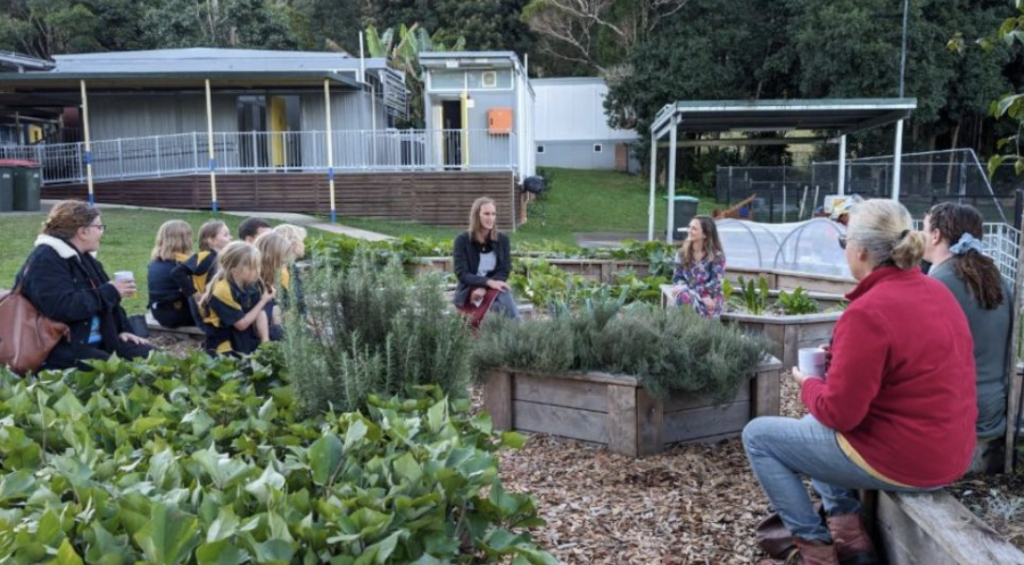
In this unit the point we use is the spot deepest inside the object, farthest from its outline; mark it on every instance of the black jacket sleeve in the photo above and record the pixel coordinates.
(181, 274)
(464, 270)
(55, 288)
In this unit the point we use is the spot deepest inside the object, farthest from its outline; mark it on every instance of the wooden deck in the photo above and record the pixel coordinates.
(438, 198)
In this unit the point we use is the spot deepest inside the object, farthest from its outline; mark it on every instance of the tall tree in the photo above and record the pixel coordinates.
(596, 35)
(47, 27)
(219, 23)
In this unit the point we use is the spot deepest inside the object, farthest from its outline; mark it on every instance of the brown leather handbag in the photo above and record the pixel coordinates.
(26, 336)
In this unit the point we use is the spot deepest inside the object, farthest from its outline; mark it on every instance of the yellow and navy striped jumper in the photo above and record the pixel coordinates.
(228, 304)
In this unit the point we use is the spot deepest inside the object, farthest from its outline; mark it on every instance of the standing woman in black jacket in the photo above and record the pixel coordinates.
(483, 261)
(64, 281)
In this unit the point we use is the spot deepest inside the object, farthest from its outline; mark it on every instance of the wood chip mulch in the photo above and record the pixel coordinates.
(694, 504)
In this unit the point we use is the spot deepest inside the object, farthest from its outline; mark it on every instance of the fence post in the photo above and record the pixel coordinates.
(255, 154)
(120, 156)
(156, 144)
(195, 153)
(78, 148)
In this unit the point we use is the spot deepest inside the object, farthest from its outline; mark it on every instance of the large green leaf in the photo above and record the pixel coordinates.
(325, 455)
(169, 537)
(18, 485)
(221, 552)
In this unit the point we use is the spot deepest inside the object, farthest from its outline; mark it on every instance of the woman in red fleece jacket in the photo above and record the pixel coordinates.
(896, 408)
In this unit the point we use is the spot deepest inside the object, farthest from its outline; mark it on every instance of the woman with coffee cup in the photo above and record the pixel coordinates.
(889, 413)
(483, 261)
(63, 279)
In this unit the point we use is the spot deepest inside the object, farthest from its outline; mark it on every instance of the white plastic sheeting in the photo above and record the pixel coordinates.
(810, 247)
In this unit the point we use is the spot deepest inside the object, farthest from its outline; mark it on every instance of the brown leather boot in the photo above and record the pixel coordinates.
(808, 553)
(853, 544)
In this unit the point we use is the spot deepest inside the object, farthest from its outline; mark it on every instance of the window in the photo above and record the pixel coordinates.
(598, 148)
(540, 149)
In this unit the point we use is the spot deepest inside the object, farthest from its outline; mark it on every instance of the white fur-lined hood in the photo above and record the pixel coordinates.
(59, 245)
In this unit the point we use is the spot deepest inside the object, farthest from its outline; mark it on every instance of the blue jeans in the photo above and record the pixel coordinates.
(505, 303)
(782, 449)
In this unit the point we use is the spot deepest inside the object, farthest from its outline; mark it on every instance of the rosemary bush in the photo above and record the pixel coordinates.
(672, 349)
(369, 330)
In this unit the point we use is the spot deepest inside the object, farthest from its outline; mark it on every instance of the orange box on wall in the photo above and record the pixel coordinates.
(499, 121)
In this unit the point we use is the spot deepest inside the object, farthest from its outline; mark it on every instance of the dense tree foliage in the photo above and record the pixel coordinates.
(651, 51)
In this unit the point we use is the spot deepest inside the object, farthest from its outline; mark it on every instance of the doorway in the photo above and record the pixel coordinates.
(451, 133)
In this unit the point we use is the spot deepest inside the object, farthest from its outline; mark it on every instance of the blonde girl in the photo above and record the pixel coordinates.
(167, 301)
(192, 274)
(274, 252)
(234, 302)
(291, 284)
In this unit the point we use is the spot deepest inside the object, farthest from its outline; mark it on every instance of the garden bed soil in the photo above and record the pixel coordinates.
(998, 500)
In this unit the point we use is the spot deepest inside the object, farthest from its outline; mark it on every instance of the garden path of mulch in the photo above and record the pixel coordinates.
(692, 504)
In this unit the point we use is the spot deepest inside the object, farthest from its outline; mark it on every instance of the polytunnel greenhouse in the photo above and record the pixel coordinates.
(810, 247)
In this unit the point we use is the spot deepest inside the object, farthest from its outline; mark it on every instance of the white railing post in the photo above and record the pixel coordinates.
(195, 152)
(156, 149)
(255, 154)
(79, 160)
(120, 156)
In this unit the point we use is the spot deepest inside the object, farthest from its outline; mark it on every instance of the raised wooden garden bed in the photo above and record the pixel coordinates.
(615, 410)
(790, 280)
(935, 529)
(789, 333)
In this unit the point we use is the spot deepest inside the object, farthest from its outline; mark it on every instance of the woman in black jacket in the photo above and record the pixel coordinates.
(483, 261)
(65, 282)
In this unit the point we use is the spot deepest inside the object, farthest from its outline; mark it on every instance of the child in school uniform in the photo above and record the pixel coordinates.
(274, 251)
(291, 283)
(235, 302)
(167, 302)
(192, 275)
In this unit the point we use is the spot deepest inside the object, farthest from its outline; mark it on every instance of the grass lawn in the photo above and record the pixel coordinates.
(580, 201)
(125, 246)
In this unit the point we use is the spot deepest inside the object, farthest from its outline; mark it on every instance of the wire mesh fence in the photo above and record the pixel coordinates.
(781, 194)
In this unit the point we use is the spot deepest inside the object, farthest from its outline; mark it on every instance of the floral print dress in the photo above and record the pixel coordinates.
(701, 279)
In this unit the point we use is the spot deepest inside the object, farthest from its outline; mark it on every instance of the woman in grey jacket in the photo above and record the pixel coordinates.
(953, 246)
(483, 261)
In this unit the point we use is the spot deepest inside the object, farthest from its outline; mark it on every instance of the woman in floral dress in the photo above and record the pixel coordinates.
(700, 269)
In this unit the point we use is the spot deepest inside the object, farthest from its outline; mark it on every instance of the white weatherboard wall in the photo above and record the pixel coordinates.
(571, 127)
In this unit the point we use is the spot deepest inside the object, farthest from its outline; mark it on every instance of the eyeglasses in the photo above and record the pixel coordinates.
(102, 227)
(842, 242)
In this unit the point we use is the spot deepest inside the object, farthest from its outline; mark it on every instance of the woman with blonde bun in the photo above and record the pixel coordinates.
(895, 408)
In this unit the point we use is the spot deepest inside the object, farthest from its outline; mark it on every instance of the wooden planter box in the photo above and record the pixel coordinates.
(615, 410)
(935, 529)
(789, 333)
(789, 280)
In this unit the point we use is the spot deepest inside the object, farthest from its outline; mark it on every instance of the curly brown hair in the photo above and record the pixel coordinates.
(67, 217)
(978, 272)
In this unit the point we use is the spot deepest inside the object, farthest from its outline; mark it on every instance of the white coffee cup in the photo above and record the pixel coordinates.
(124, 276)
(812, 361)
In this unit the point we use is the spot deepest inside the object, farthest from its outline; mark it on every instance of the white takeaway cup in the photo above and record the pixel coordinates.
(124, 276)
(812, 361)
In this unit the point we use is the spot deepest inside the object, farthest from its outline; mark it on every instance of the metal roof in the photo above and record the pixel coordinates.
(841, 116)
(566, 80)
(19, 62)
(468, 59)
(170, 80)
(203, 59)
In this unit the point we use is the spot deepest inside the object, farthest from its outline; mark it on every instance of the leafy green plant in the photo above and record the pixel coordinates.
(668, 350)
(371, 331)
(753, 295)
(797, 302)
(208, 460)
